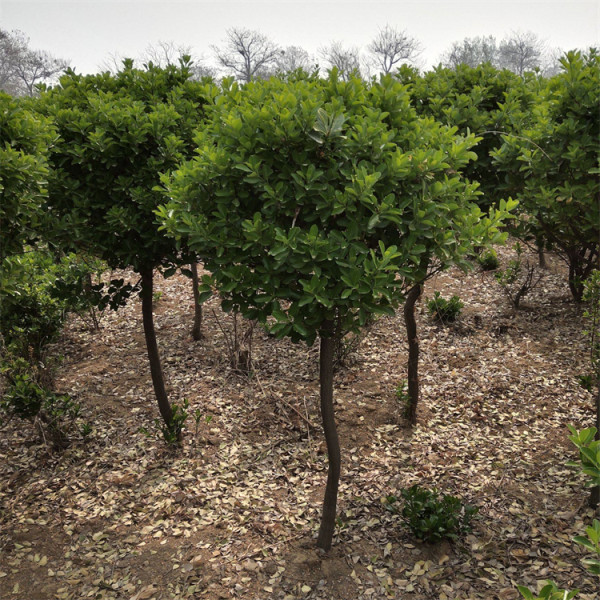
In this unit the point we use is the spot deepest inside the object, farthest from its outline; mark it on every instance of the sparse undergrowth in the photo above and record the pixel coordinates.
(242, 490)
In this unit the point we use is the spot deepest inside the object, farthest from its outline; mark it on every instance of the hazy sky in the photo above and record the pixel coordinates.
(87, 32)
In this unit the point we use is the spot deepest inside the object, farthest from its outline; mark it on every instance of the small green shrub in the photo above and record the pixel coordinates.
(519, 277)
(488, 260)
(442, 310)
(171, 432)
(591, 543)
(586, 382)
(548, 592)
(53, 414)
(38, 291)
(432, 517)
(589, 454)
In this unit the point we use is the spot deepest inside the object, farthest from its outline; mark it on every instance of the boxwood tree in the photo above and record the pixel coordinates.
(24, 141)
(311, 201)
(483, 100)
(117, 134)
(553, 164)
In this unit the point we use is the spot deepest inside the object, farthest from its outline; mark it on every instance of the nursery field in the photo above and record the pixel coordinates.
(234, 512)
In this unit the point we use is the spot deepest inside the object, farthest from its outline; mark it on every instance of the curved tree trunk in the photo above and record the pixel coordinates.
(197, 328)
(152, 347)
(331, 437)
(413, 352)
(575, 281)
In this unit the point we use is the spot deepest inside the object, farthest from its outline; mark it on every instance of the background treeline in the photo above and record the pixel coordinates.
(314, 202)
(248, 54)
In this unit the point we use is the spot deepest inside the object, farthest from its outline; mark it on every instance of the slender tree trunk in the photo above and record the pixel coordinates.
(331, 437)
(158, 380)
(413, 352)
(575, 281)
(542, 258)
(197, 328)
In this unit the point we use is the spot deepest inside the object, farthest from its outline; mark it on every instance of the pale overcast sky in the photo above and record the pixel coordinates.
(87, 32)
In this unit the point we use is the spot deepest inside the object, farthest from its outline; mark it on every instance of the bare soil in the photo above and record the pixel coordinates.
(234, 512)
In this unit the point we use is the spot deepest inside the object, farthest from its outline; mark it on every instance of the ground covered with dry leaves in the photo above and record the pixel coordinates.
(234, 512)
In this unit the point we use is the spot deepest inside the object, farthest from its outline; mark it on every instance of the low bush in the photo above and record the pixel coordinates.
(172, 432)
(433, 517)
(519, 277)
(40, 291)
(442, 310)
(54, 415)
(488, 260)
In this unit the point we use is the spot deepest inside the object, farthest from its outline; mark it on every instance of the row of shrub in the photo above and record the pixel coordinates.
(314, 203)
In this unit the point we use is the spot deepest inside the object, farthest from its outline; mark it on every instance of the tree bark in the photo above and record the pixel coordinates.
(413, 352)
(575, 281)
(331, 437)
(197, 328)
(542, 258)
(152, 347)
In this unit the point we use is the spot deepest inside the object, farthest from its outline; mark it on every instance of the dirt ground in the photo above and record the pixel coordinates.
(234, 513)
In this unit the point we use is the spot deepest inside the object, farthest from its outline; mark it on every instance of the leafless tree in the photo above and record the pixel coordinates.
(391, 47)
(21, 68)
(247, 54)
(292, 58)
(162, 54)
(345, 60)
(521, 51)
(472, 52)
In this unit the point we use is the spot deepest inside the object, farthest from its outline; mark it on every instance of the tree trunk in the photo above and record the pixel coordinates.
(197, 328)
(542, 258)
(152, 347)
(331, 437)
(575, 281)
(413, 352)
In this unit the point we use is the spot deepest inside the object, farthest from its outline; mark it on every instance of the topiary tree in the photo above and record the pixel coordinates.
(117, 134)
(552, 166)
(24, 142)
(317, 204)
(483, 100)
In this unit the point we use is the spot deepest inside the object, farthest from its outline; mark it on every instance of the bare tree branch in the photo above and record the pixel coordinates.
(247, 54)
(391, 47)
(345, 60)
(21, 68)
(521, 52)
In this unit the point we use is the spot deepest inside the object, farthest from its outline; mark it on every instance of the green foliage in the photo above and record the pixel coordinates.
(589, 463)
(317, 201)
(591, 542)
(432, 517)
(443, 310)
(172, 432)
(586, 381)
(591, 295)
(548, 592)
(117, 134)
(518, 278)
(589, 454)
(41, 292)
(488, 260)
(481, 100)
(24, 398)
(24, 142)
(551, 164)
